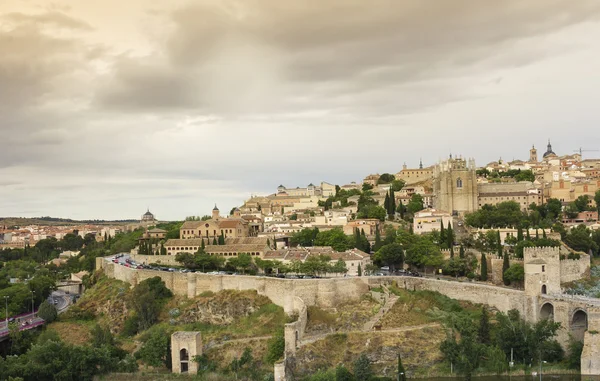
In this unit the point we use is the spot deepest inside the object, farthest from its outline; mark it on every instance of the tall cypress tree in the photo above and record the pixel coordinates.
(544, 234)
(461, 252)
(443, 240)
(498, 239)
(484, 327)
(537, 234)
(505, 266)
(202, 245)
(214, 242)
(377, 244)
(386, 203)
(392, 202)
(519, 233)
(528, 236)
(484, 274)
(401, 371)
(450, 235)
(357, 242)
(168, 359)
(359, 270)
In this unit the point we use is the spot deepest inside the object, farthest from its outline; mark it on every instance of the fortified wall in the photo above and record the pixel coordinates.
(313, 292)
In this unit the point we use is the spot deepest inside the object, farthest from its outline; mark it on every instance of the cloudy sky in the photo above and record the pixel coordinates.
(108, 107)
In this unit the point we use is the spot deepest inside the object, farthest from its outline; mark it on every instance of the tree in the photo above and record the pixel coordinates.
(461, 252)
(47, 312)
(359, 270)
(241, 262)
(597, 200)
(275, 347)
(362, 368)
(443, 239)
(514, 274)
(334, 238)
(222, 238)
(386, 178)
(580, 239)
(215, 242)
(484, 274)
(386, 202)
(484, 327)
(519, 234)
(391, 255)
(102, 336)
(397, 185)
(401, 371)
(449, 236)
(505, 266)
(465, 353)
(415, 204)
(343, 374)
(377, 244)
(153, 351)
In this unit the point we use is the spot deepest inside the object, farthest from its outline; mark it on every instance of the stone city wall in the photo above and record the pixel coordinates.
(295, 331)
(165, 260)
(574, 269)
(503, 299)
(320, 292)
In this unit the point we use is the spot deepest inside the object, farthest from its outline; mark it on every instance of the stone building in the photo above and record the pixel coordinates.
(184, 347)
(455, 186)
(148, 219)
(229, 227)
(415, 175)
(523, 193)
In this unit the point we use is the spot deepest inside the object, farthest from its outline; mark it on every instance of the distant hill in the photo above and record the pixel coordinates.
(22, 221)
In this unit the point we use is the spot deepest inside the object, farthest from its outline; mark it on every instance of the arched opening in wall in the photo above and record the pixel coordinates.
(296, 342)
(544, 290)
(183, 360)
(579, 324)
(547, 312)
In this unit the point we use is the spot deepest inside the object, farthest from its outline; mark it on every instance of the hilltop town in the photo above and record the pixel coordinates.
(325, 266)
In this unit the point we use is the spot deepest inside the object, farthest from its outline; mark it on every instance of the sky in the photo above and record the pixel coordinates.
(109, 107)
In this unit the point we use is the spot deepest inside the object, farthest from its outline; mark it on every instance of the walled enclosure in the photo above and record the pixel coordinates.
(295, 294)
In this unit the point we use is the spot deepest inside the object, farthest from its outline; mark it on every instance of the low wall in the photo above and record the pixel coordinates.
(166, 260)
(503, 299)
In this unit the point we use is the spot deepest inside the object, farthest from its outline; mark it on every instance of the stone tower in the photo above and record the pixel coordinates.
(215, 213)
(455, 186)
(533, 158)
(542, 270)
(184, 347)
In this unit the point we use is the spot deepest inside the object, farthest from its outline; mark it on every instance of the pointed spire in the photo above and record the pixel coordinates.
(420, 163)
(215, 208)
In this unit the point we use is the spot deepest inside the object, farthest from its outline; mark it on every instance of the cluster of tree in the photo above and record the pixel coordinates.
(390, 203)
(360, 240)
(361, 371)
(505, 214)
(402, 247)
(313, 237)
(517, 174)
(147, 299)
(21, 296)
(582, 204)
(368, 207)
(581, 238)
(51, 359)
(474, 345)
(198, 218)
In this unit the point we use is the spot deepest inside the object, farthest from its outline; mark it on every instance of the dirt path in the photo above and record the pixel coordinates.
(311, 339)
(390, 301)
(244, 340)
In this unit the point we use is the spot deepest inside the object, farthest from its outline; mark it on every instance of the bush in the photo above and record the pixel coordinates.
(275, 348)
(47, 312)
(130, 328)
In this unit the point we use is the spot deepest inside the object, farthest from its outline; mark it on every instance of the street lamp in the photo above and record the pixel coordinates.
(6, 303)
(32, 313)
(541, 367)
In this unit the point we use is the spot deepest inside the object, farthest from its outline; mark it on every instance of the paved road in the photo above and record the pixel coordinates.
(60, 299)
(26, 321)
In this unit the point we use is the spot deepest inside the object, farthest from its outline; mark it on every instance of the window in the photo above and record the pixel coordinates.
(543, 268)
(459, 183)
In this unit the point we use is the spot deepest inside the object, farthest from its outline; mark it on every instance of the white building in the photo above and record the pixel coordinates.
(428, 220)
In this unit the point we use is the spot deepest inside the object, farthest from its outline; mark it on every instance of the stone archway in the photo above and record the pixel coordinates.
(579, 324)
(547, 312)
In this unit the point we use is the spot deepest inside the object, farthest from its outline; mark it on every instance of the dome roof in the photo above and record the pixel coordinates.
(148, 214)
(549, 151)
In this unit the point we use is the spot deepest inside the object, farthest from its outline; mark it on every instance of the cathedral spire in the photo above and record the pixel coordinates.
(420, 163)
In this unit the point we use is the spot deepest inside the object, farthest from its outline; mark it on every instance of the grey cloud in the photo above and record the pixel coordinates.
(329, 51)
(51, 18)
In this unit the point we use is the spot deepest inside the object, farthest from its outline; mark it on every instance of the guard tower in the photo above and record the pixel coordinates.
(184, 347)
